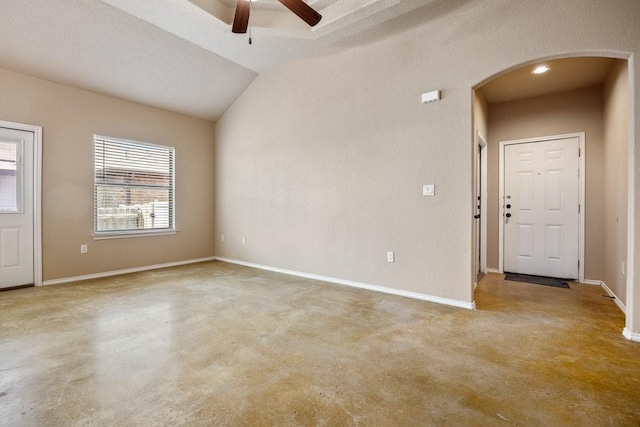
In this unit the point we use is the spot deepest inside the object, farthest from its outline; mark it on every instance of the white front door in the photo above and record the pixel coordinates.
(541, 208)
(16, 208)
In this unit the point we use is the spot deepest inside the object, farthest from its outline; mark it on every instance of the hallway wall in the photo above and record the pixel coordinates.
(616, 135)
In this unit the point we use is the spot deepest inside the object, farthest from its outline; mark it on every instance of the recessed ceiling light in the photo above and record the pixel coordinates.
(540, 69)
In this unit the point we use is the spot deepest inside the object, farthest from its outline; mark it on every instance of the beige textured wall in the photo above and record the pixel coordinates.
(69, 118)
(616, 134)
(320, 163)
(575, 111)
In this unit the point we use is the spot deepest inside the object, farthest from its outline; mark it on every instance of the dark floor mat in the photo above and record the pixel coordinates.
(538, 280)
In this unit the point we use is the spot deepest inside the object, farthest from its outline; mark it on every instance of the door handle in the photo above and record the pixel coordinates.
(508, 215)
(476, 216)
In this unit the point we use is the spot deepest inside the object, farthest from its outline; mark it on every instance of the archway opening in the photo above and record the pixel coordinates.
(588, 95)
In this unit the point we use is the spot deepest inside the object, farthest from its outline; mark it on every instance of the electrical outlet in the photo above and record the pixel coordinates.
(83, 249)
(244, 240)
(390, 257)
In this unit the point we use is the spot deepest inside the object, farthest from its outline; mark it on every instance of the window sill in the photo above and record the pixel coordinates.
(128, 235)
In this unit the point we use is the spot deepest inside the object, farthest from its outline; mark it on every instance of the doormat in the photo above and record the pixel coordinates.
(538, 280)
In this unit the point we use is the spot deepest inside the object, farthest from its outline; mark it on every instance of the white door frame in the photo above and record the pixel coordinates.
(480, 190)
(37, 191)
(581, 196)
(481, 141)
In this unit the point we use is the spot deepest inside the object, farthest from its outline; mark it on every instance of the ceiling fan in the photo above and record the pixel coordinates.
(299, 7)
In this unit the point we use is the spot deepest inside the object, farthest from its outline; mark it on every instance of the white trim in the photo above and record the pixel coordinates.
(392, 291)
(609, 292)
(581, 201)
(124, 271)
(632, 336)
(484, 155)
(133, 234)
(592, 282)
(501, 208)
(37, 194)
(583, 204)
(493, 270)
(632, 322)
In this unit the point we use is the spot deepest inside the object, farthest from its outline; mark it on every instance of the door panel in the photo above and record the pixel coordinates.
(9, 241)
(16, 208)
(525, 240)
(541, 188)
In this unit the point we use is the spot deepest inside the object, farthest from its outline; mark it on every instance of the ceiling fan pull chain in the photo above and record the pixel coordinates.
(250, 1)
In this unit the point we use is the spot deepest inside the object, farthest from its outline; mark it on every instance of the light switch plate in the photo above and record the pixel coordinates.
(428, 190)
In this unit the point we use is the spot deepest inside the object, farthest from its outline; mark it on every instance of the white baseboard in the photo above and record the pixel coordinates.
(592, 282)
(492, 270)
(392, 291)
(125, 271)
(632, 336)
(609, 292)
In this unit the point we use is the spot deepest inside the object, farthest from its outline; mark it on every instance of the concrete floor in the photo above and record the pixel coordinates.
(219, 344)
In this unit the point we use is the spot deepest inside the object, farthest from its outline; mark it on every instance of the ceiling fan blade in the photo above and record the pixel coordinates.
(303, 10)
(241, 18)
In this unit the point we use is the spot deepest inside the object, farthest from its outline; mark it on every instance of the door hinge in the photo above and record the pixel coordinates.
(578, 208)
(579, 152)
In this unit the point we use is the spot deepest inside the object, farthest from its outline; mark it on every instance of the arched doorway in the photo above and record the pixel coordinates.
(588, 95)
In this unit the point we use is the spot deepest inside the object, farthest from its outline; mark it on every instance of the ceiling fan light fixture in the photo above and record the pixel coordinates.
(541, 69)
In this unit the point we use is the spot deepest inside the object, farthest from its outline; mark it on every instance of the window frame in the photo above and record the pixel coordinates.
(120, 234)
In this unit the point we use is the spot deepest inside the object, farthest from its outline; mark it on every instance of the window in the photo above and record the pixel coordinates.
(11, 171)
(133, 188)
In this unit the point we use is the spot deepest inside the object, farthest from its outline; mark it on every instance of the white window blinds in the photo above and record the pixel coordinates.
(133, 187)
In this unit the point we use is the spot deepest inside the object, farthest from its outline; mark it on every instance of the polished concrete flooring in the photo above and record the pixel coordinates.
(219, 344)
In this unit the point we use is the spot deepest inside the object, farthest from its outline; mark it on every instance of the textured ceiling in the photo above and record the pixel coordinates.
(91, 45)
(278, 35)
(178, 55)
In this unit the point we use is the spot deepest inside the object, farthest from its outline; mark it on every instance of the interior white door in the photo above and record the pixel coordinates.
(16, 208)
(541, 208)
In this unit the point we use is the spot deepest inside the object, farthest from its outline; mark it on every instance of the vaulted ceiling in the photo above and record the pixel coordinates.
(177, 55)
(181, 55)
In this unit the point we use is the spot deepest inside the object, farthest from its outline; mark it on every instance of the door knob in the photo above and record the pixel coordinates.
(508, 206)
(508, 215)
(476, 216)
